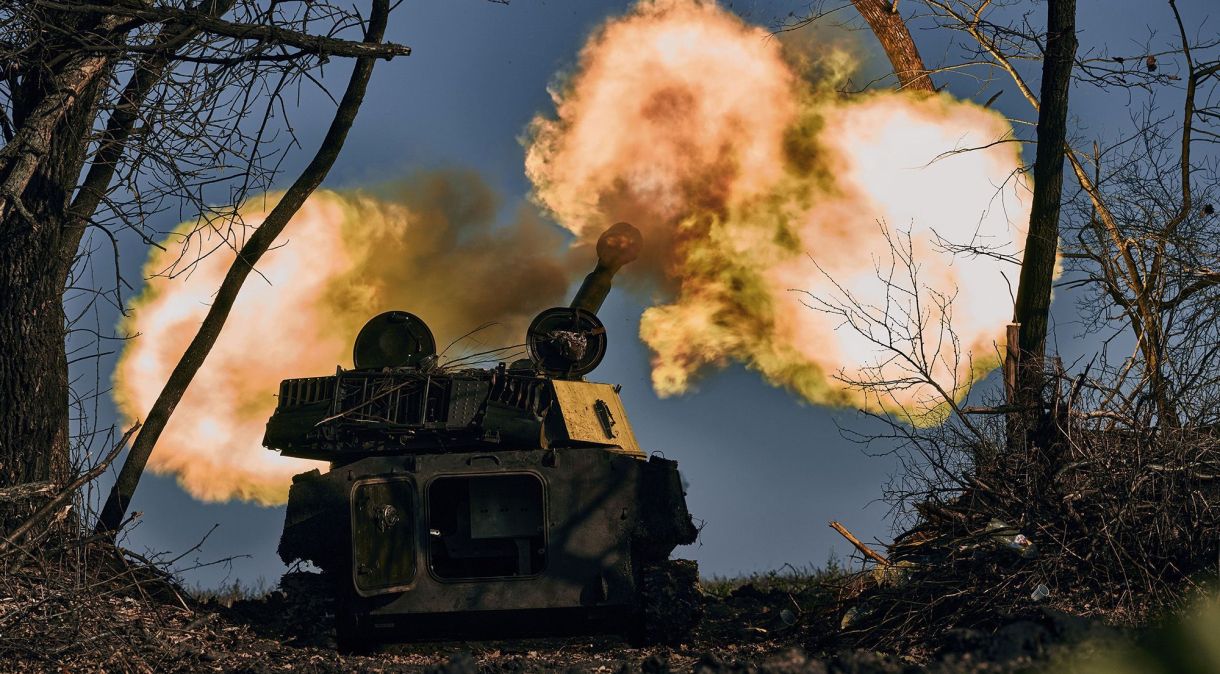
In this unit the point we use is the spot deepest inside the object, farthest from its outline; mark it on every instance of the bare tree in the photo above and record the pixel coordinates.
(918, 383)
(1118, 487)
(1136, 233)
(1144, 232)
(1033, 301)
(112, 114)
(1138, 223)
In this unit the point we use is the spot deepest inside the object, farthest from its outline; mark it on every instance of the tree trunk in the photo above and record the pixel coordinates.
(38, 243)
(33, 363)
(1038, 267)
(892, 33)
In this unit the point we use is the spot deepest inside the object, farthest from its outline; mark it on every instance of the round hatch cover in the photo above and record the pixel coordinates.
(393, 339)
(566, 342)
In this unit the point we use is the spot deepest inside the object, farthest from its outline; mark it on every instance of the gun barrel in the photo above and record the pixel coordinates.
(617, 246)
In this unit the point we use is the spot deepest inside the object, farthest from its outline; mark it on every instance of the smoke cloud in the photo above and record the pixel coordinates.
(428, 244)
(739, 154)
(748, 172)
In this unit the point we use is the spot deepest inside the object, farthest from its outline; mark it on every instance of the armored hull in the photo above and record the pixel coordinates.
(507, 542)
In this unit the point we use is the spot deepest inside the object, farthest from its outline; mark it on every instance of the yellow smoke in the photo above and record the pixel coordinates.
(738, 154)
(428, 245)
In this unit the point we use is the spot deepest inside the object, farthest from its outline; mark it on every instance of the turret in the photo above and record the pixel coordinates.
(399, 399)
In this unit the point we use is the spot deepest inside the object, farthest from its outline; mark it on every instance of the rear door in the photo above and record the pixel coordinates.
(383, 535)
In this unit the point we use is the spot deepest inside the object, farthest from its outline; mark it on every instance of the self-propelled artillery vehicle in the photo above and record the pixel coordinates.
(486, 502)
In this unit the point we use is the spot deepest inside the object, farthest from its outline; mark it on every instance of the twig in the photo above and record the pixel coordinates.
(67, 493)
(864, 549)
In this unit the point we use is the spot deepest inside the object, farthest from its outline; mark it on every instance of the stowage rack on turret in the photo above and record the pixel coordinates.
(366, 412)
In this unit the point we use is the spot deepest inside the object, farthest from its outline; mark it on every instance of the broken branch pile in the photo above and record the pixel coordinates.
(1118, 524)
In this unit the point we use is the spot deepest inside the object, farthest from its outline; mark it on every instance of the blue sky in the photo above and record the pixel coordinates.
(766, 472)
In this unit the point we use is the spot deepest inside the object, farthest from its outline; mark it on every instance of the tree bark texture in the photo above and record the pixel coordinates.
(1038, 266)
(33, 363)
(892, 33)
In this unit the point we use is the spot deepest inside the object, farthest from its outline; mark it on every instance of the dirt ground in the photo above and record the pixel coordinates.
(765, 624)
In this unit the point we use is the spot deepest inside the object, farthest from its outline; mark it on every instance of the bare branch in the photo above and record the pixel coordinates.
(313, 44)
